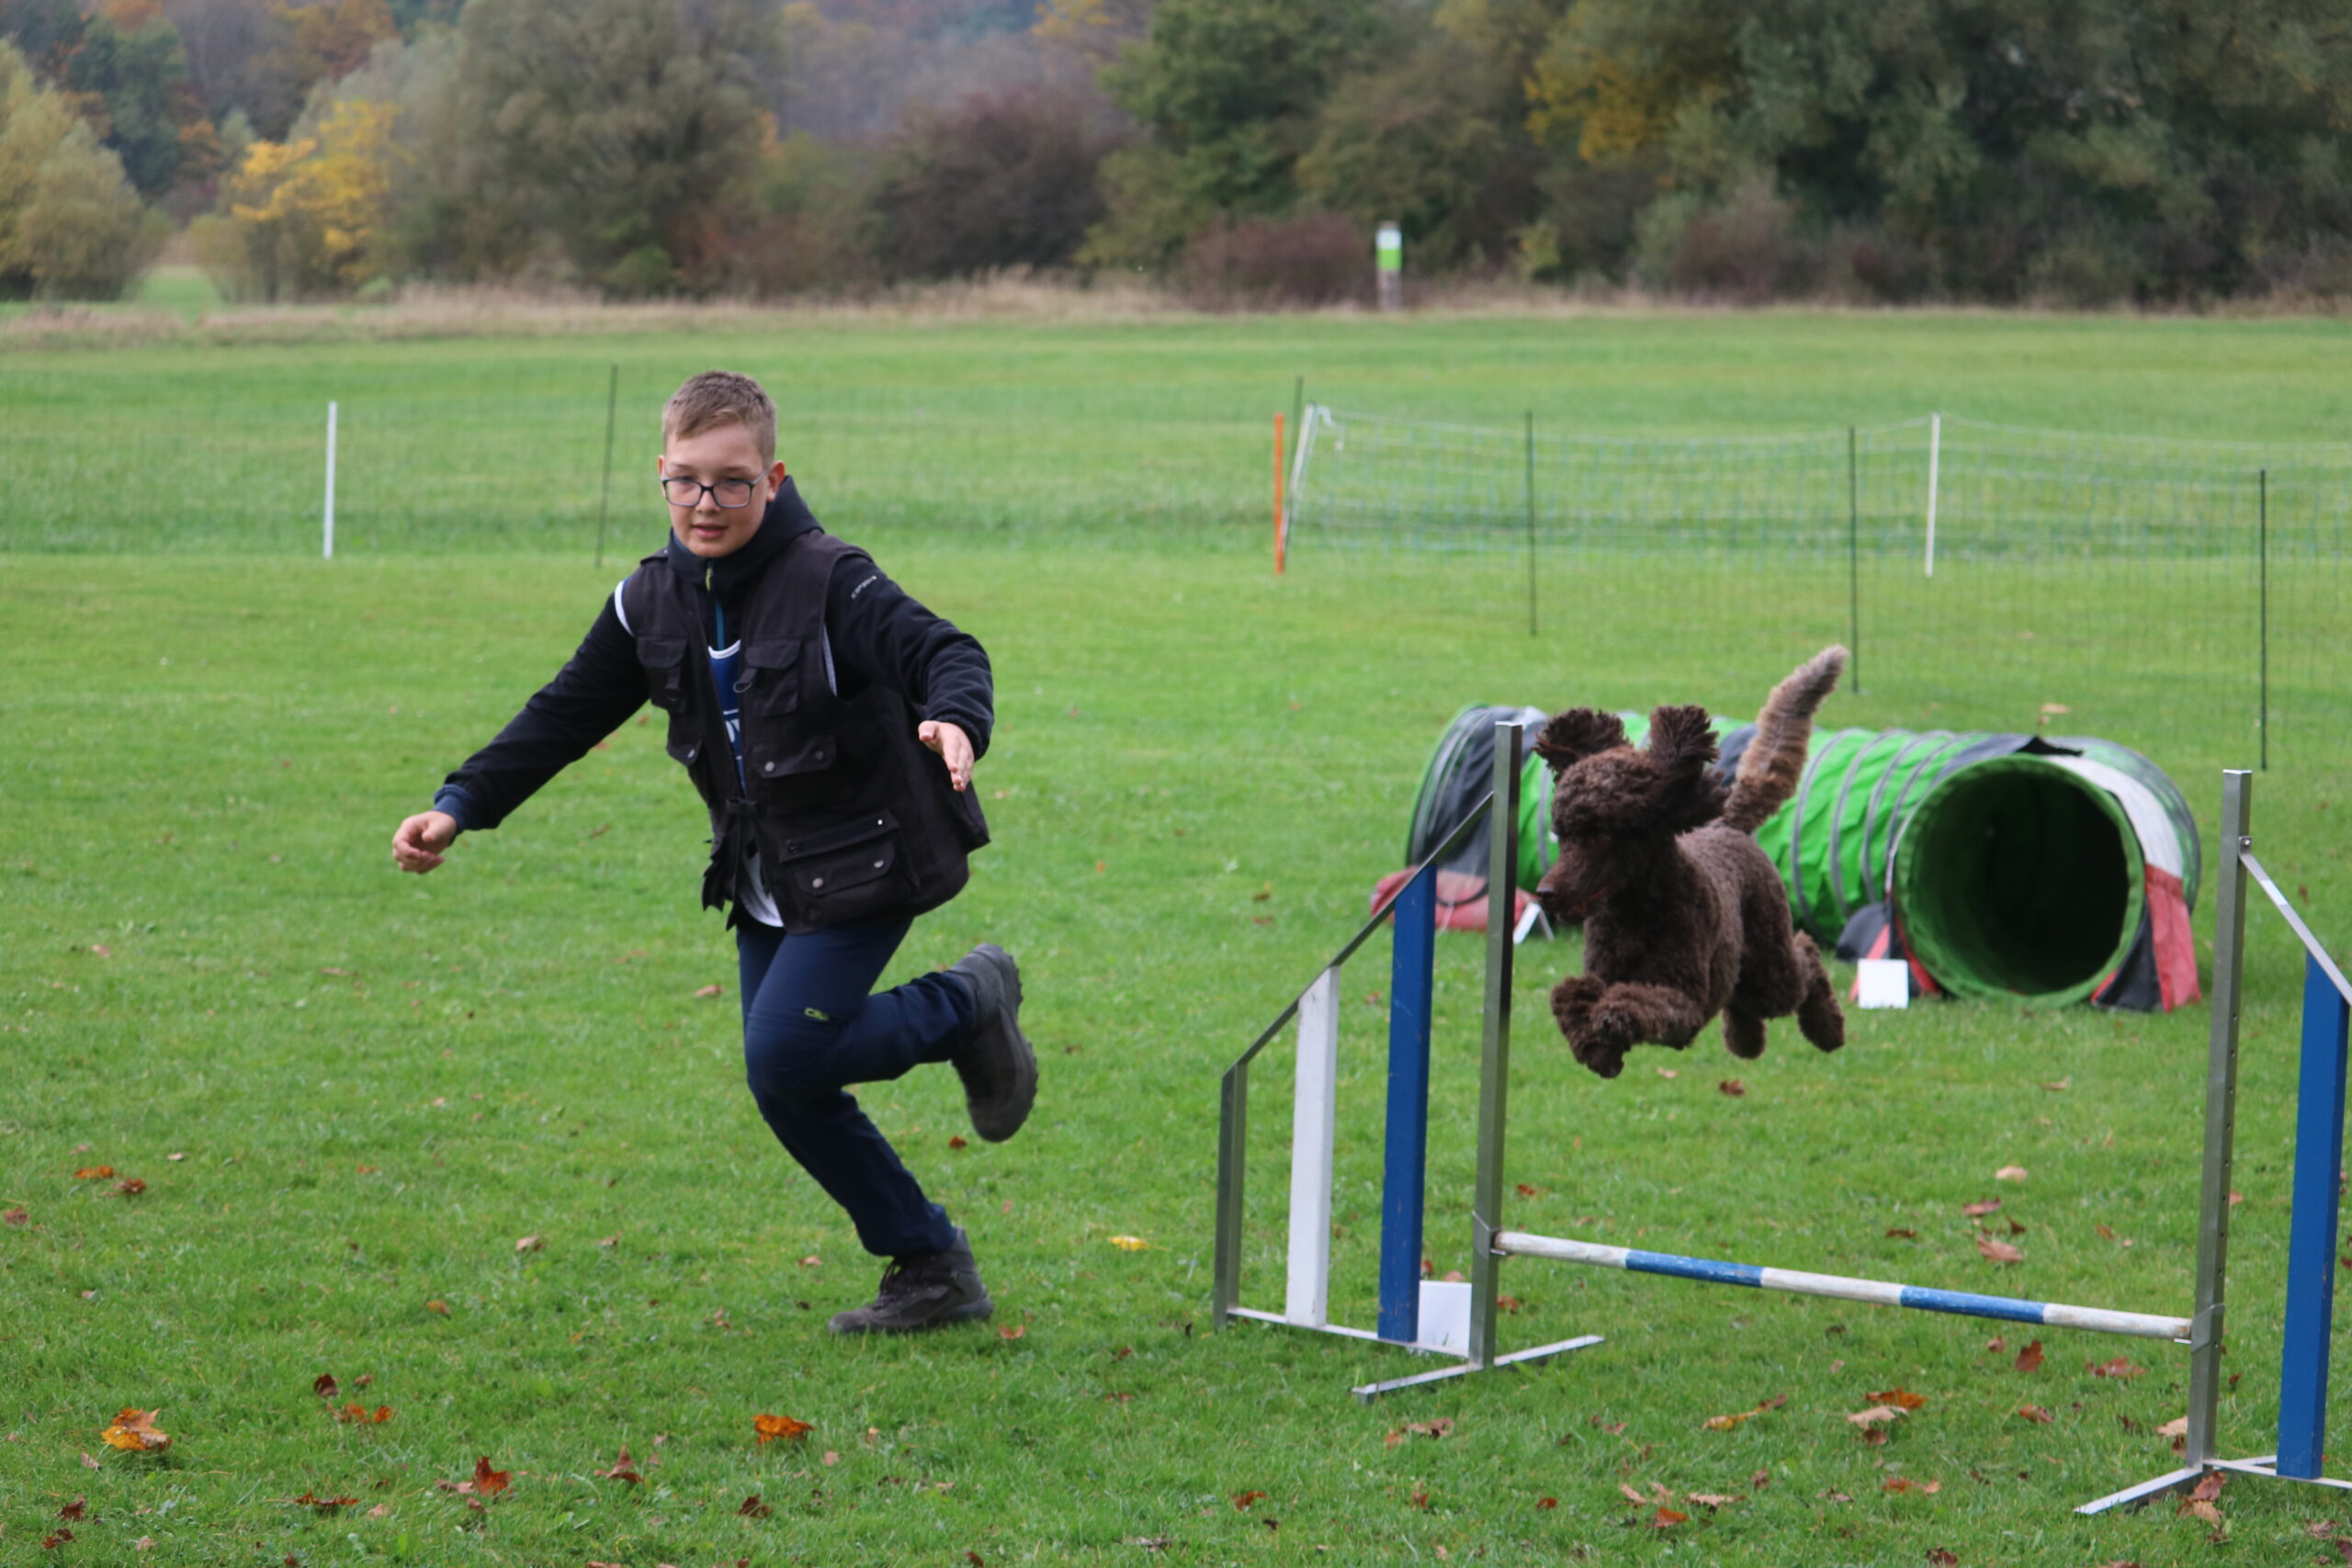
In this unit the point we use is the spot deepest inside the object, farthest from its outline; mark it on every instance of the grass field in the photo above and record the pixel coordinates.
(378, 1085)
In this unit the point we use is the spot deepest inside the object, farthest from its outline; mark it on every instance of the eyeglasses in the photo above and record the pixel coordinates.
(687, 494)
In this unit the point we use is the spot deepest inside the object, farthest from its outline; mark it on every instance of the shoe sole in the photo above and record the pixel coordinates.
(970, 1312)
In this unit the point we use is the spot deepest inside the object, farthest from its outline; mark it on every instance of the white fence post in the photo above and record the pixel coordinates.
(327, 544)
(1307, 1301)
(1935, 458)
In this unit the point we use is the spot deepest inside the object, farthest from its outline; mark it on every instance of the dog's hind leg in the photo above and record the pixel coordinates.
(1743, 1034)
(1818, 1014)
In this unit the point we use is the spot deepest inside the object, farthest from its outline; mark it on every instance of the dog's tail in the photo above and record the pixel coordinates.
(1774, 761)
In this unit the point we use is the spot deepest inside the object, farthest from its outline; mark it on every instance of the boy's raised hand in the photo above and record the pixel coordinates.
(955, 748)
(418, 843)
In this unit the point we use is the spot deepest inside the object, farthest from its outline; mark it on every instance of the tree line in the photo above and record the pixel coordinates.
(2081, 151)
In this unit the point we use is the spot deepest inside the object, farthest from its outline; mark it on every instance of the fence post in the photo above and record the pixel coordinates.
(2311, 1245)
(2208, 1321)
(1853, 558)
(326, 548)
(604, 495)
(2262, 505)
(1494, 1064)
(1531, 522)
(1934, 462)
(1405, 1158)
(1313, 1117)
(1279, 521)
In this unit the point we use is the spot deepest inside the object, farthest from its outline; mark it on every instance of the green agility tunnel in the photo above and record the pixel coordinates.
(1997, 865)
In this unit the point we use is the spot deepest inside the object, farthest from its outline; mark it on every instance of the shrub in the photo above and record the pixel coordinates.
(1320, 258)
(1744, 248)
(1000, 180)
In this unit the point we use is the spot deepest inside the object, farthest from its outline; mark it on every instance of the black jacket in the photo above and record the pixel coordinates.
(877, 637)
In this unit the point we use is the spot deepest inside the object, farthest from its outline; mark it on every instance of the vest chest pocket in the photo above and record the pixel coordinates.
(849, 873)
(769, 686)
(664, 658)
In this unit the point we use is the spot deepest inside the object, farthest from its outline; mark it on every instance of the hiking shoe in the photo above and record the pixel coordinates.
(923, 1290)
(998, 1066)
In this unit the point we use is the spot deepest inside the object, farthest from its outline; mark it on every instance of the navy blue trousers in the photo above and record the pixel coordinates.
(810, 1029)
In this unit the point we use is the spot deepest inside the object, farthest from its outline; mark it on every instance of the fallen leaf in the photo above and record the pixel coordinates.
(832, 1457)
(2035, 1414)
(359, 1415)
(1242, 1500)
(1527, 1192)
(1730, 1087)
(2029, 1358)
(72, 1513)
(102, 949)
(1835, 1497)
(958, 1141)
(144, 1543)
(380, 1511)
(1015, 1332)
(1633, 1497)
(1981, 1207)
(323, 1504)
(1547, 1502)
(2121, 1366)
(1875, 1415)
(1902, 1234)
(624, 1468)
(131, 1188)
(487, 1483)
(1615, 1428)
(2055, 707)
(1937, 1557)
(94, 1173)
(1904, 1484)
(323, 1385)
(55, 1539)
(1712, 1499)
(2060, 1086)
(1440, 1426)
(529, 1244)
(88, 1462)
(710, 991)
(1129, 1243)
(771, 1428)
(2009, 1173)
(753, 1508)
(440, 1307)
(15, 1216)
(2177, 1430)
(1668, 1073)
(1667, 1519)
(1508, 1303)
(1999, 1251)
(134, 1430)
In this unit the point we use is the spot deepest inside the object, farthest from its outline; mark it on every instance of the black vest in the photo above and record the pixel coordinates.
(853, 816)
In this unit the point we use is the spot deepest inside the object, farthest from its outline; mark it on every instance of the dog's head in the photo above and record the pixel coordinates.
(1615, 807)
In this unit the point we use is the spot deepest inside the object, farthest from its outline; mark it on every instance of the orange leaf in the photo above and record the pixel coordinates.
(134, 1431)
(529, 1244)
(1902, 1232)
(1525, 1190)
(488, 1482)
(15, 1216)
(1732, 1088)
(1901, 1396)
(1939, 1558)
(2035, 1414)
(2121, 1366)
(1547, 1502)
(623, 1469)
(1241, 1500)
(753, 1508)
(1999, 1251)
(94, 1173)
(2009, 1173)
(2029, 1358)
(1667, 1519)
(440, 1307)
(1015, 1332)
(323, 1385)
(771, 1428)
(1981, 1207)
(131, 1188)
(958, 1141)
(1875, 1415)
(710, 991)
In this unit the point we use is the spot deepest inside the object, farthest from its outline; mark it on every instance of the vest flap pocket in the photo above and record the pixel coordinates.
(829, 876)
(769, 686)
(790, 756)
(780, 653)
(664, 658)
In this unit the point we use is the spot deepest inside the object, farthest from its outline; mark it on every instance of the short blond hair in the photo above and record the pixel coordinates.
(718, 397)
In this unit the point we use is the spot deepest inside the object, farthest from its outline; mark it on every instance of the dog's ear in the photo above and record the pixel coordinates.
(1682, 744)
(1578, 733)
(1682, 739)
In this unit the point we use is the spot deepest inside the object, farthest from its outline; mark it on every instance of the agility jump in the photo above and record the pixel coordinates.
(1460, 1320)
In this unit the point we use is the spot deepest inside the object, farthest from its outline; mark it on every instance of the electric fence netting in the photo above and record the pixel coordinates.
(1952, 553)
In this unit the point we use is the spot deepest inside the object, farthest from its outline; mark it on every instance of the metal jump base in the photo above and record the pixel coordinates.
(1471, 1347)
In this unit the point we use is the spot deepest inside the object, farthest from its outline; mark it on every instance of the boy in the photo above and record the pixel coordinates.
(829, 723)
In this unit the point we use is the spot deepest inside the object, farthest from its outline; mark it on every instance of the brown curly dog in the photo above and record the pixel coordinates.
(1684, 917)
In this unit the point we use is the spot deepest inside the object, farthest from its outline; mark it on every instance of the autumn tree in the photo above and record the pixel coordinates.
(71, 225)
(306, 218)
(999, 180)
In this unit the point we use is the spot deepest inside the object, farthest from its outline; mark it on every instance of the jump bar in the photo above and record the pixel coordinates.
(2097, 1320)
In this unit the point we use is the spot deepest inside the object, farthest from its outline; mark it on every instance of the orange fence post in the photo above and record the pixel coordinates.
(1280, 541)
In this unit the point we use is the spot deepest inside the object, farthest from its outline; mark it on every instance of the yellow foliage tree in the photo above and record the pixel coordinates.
(307, 217)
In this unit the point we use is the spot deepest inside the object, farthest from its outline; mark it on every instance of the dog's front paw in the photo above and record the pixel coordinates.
(1612, 1026)
(1572, 1001)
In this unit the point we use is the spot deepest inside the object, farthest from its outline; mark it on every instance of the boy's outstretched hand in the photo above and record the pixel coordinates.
(955, 748)
(417, 845)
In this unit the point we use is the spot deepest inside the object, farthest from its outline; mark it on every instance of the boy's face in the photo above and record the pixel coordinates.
(727, 459)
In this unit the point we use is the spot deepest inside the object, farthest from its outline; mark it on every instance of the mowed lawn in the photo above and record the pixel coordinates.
(377, 1086)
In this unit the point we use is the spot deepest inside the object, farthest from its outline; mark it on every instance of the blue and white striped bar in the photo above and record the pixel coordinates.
(1966, 1303)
